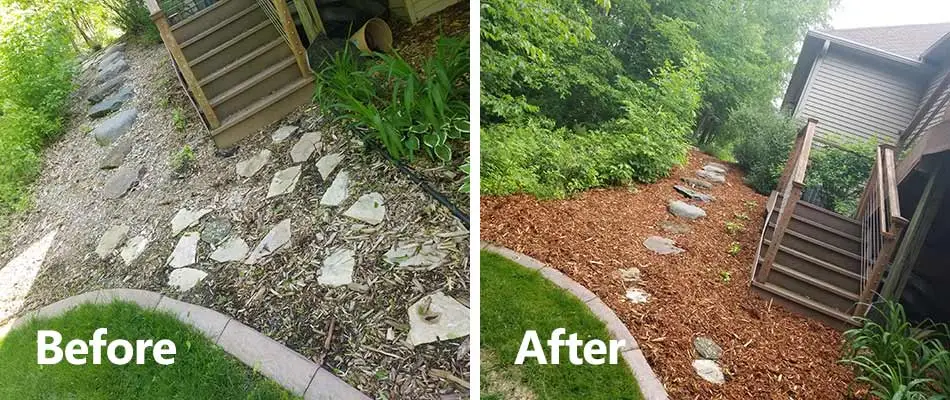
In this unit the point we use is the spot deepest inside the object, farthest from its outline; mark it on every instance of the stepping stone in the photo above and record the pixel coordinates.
(707, 348)
(630, 274)
(112, 70)
(368, 208)
(282, 133)
(116, 155)
(186, 218)
(120, 46)
(284, 182)
(183, 279)
(186, 251)
(104, 90)
(122, 181)
(715, 168)
(109, 59)
(681, 209)
(662, 245)
(234, 249)
(437, 318)
(133, 249)
(415, 255)
(110, 240)
(697, 183)
(674, 227)
(117, 125)
(305, 147)
(111, 104)
(694, 195)
(709, 370)
(214, 231)
(711, 176)
(337, 192)
(249, 167)
(637, 296)
(275, 239)
(337, 269)
(328, 163)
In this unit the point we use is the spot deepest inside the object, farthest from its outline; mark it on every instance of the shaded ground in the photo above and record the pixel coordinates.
(769, 353)
(358, 331)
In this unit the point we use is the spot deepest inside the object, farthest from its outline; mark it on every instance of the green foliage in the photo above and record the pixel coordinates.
(734, 228)
(766, 139)
(406, 110)
(841, 171)
(178, 119)
(725, 276)
(897, 359)
(132, 17)
(734, 248)
(467, 181)
(183, 162)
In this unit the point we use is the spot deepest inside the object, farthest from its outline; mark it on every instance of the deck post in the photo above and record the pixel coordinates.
(794, 155)
(784, 217)
(290, 30)
(165, 30)
(883, 259)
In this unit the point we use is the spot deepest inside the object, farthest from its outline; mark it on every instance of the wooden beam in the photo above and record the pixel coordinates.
(894, 201)
(287, 21)
(153, 8)
(806, 150)
(784, 217)
(165, 30)
(879, 167)
(928, 104)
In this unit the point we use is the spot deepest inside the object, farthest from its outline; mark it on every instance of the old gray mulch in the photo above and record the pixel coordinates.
(769, 353)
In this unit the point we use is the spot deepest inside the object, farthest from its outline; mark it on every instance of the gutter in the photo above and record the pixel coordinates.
(868, 49)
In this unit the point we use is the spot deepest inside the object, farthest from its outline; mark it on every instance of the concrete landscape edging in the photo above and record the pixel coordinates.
(650, 385)
(288, 368)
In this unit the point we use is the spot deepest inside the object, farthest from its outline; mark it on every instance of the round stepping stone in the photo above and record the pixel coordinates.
(711, 176)
(284, 182)
(694, 195)
(186, 218)
(116, 155)
(104, 90)
(111, 104)
(304, 148)
(122, 181)
(437, 318)
(631, 274)
(337, 192)
(674, 227)
(637, 296)
(133, 249)
(115, 126)
(234, 249)
(709, 370)
(249, 167)
(681, 209)
(662, 245)
(186, 251)
(368, 208)
(707, 348)
(697, 183)
(278, 236)
(110, 240)
(328, 163)
(183, 279)
(337, 268)
(283, 133)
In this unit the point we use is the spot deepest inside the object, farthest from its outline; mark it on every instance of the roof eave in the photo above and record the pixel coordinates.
(866, 49)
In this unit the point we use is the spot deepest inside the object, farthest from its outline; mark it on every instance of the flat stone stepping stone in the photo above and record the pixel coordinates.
(304, 148)
(437, 318)
(115, 126)
(186, 251)
(328, 163)
(249, 167)
(233, 249)
(110, 240)
(681, 209)
(697, 183)
(111, 104)
(637, 296)
(631, 274)
(284, 182)
(104, 90)
(338, 190)
(711, 176)
(112, 70)
(661, 245)
(415, 255)
(122, 181)
(183, 279)
(215, 230)
(709, 371)
(186, 218)
(694, 195)
(116, 155)
(337, 268)
(133, 249)
(109, 59)
(368, 208)
(707, 348)
(674, 227)
(120, 46)
(282, 133)
(278, 236)
(716, 168)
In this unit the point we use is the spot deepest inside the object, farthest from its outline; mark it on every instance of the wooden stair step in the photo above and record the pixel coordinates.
(819, 262)
(843, 319)
(245, 67)
(263, 112)
(254, 80)
(818, 283)
(241, 61)
(817, 248)
(199, 14)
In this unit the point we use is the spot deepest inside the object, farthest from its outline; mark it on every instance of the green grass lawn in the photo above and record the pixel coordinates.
(514, 300)
(201, 369)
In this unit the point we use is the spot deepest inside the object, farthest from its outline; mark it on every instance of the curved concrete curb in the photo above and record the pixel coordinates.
(288, 368)
(650, 385)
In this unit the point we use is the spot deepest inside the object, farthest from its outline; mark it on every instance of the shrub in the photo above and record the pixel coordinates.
(132, 17)
(766, 138)
(840, 172)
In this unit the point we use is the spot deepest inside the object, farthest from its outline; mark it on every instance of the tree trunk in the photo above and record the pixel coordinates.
(95, 46)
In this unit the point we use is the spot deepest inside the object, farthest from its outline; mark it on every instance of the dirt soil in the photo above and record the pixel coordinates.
(359, 332)
(769, 353)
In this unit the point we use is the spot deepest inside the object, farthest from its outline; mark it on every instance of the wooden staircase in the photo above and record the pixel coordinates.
(243, 69)
(817, 262)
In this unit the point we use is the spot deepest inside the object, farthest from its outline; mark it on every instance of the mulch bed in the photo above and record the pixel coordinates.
(769, 353)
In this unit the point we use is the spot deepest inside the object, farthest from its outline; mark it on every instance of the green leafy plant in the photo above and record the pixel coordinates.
(765, 141)
(725, 276)
(178, 119)
(742, 216)
(840, 170)
(734, 248)
(734, 228)
(132, 17)
(466, 183)
(183, 162)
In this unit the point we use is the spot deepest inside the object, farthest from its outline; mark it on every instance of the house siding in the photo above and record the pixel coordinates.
(416, 10)
(854, 99)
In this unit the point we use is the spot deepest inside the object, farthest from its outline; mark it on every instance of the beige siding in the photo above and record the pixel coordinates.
(857, 100)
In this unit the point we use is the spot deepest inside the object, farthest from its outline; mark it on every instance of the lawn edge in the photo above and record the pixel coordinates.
(289, 369)
(650, 386)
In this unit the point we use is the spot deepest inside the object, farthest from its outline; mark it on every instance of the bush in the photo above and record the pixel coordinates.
(841, 171)
(132, 17)
(765, 141)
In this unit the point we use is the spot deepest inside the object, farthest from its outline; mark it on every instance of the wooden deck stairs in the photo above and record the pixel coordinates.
(820, 263)
(241, 62)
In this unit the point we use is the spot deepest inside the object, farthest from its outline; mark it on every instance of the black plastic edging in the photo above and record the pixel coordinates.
(435, 194)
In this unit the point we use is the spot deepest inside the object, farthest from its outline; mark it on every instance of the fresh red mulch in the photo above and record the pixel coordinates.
(769, 353)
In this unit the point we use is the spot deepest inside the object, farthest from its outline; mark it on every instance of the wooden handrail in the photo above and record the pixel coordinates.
(165, 31)
(296, 46)
(879, 167)
(892, 194)
(152, 6)
(883, 259)
(802, 162)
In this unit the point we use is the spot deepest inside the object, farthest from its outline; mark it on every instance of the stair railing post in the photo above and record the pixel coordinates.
(883, 259)
(165, 31)
(296, 46)
(784, 218)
